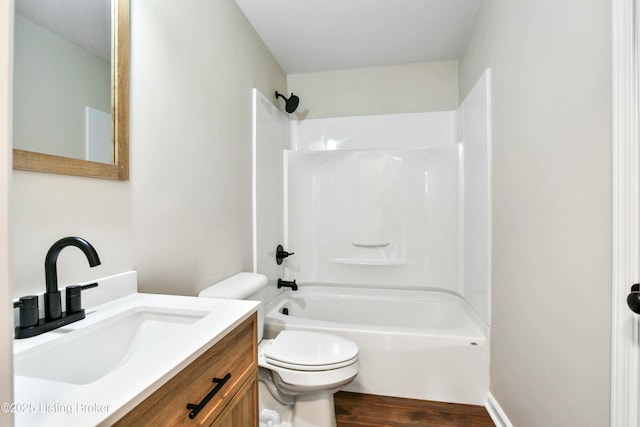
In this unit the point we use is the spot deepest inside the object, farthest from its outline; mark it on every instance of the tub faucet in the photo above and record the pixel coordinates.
(281, 254)
(287, 284)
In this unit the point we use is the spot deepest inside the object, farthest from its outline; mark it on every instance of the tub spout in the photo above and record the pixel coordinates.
(287, 284)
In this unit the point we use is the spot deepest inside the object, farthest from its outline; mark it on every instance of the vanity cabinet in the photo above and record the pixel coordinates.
(230, 365)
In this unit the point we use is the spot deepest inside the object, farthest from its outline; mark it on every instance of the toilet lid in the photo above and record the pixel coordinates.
(310, 351)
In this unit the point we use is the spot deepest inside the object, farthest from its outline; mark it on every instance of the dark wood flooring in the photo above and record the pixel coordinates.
(366, 410)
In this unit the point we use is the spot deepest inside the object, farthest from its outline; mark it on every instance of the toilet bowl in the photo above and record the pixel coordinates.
(299, 371)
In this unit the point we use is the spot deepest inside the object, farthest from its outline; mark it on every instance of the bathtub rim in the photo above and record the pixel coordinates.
(272, 313)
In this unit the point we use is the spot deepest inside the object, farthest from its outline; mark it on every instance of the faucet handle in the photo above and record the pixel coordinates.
(29, 313)
(281, 254)
(73, 297)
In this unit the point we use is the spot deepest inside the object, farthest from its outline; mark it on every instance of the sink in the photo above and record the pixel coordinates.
(87, 354)
(129, 345)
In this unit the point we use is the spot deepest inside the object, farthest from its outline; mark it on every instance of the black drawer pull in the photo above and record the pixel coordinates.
(197, 408)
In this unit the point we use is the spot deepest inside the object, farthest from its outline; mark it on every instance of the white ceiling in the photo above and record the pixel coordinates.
(85, 23)
(319, 35)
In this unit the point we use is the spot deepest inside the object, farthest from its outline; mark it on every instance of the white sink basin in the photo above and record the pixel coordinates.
(85, 355)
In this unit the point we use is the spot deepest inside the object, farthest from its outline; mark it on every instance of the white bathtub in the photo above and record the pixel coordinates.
(417, 344)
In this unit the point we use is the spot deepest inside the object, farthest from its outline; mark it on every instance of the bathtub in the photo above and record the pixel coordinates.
(415, 344)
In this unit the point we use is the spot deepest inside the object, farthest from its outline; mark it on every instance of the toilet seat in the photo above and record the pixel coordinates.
(324, 363)
(310, 351)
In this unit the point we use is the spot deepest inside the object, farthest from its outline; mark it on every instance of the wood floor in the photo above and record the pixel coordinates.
(365, 410)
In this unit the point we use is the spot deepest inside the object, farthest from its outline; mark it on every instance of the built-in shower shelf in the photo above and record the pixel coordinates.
(364, 261)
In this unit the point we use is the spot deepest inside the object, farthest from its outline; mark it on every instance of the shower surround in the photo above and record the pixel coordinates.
(398, 202)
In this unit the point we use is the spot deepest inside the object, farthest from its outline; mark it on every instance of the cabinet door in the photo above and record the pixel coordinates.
(243, 409)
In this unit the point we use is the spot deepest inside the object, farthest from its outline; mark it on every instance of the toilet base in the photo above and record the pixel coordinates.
(315, 410)
(274, 412)
(309, 410)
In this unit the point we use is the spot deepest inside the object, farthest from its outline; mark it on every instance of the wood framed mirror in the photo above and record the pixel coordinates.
(118, 169)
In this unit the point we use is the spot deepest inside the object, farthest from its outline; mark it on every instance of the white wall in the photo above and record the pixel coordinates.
(551, 292)
(194, 65)
(429, 86)
(6, 312)
(47, 207)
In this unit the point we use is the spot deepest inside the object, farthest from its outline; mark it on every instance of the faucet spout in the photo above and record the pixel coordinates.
(52, 300)
(286, 284)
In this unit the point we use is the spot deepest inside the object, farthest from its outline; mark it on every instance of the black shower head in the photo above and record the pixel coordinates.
(291, 103)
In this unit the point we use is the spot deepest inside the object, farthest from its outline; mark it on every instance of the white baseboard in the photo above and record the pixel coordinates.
(496, 413)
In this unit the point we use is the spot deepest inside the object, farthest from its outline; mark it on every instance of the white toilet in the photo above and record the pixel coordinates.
(299, 371)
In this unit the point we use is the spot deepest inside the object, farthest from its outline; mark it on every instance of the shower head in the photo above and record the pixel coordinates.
(291, 103)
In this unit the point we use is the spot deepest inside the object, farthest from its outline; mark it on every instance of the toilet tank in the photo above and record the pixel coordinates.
(245, 286)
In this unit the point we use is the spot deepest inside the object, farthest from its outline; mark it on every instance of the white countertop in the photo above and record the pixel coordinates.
(39, 402)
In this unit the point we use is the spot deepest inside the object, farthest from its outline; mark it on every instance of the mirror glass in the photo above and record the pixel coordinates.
(70, 105)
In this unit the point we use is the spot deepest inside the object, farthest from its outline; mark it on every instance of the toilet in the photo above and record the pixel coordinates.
(299, 371)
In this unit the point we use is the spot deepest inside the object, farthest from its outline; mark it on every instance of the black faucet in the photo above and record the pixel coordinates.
(281, 254)
(286, 284)
(54, 317)
(52, 302)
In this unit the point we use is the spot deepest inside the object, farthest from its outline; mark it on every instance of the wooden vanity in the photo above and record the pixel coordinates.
(230, 366)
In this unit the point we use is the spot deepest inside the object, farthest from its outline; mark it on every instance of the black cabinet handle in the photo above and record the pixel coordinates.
(197, 408)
